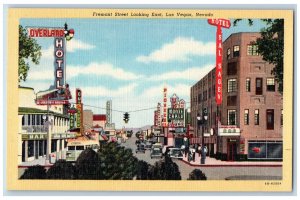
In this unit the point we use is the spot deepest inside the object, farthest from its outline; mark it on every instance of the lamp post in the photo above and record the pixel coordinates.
(201, 122)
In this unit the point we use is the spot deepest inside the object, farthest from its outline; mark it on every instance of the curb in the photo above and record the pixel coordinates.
(232, 165)
(26, 166)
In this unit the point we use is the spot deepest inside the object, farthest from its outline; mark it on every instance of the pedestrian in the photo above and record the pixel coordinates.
(193, 153)
(199, 150)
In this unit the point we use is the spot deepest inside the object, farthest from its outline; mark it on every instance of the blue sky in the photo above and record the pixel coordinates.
(130, 60)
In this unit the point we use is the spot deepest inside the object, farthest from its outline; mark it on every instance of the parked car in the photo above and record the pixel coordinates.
(156, 153)
(175, 153)
(166, 149)
(140, 148)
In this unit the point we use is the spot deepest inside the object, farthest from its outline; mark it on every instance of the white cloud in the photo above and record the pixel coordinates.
(101, 69)
(100, 91)
(193, 73)
(72, 46)
(75, 44)
(179, 50)
(48, 53)
(44, 75)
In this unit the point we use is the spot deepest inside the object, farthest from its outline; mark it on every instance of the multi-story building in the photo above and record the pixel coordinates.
(251, 113)
(33, 131)
(99, 119)
(87, 119)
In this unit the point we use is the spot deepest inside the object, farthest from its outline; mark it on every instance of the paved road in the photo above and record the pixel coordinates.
(215, 173)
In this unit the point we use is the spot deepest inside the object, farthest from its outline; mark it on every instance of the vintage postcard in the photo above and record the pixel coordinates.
(149, 99)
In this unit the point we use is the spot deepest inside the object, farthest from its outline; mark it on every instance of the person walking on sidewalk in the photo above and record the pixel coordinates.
(199, 150)
(193, 153)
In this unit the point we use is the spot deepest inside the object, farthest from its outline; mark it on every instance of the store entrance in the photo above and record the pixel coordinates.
(231, 150)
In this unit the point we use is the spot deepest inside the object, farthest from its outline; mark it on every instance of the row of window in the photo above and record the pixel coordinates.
(32, 119)
(270, 85)
(252, 50)
(232, 118)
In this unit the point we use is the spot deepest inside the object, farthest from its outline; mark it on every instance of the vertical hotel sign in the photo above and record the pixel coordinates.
(165, 108)
(79, 109)
(219, 23)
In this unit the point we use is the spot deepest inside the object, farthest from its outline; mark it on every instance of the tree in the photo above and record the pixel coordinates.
(117, 163)
(197, 174)
(142, 170)
(271, 46)
(28, 49)
(34, 172)
(164, 170)
(62, 170)
(87, 165)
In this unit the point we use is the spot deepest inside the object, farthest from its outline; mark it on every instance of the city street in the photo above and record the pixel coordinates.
(217, 172)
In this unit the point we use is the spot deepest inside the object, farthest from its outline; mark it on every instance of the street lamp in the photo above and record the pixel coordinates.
(201, 122)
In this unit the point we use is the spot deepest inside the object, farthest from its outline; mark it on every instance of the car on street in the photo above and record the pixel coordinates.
(156, 153)
(148, 145)
(175, 153)
(166, 149)
(140, 148)
(157, 145)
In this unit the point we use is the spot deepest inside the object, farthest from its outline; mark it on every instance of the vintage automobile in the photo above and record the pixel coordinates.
(156, 153)
(140, 148)
(175, 153)
(148, 145)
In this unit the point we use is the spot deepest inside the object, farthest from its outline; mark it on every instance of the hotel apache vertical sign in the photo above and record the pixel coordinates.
(219, 23)
(79, 109)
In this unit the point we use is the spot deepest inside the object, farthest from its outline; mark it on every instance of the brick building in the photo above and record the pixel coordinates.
(251, 111)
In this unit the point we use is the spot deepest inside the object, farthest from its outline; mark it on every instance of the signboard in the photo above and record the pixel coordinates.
(72, 120)
(175, 114)
(158, 114)
(45, 32)
(229, 131)
(220, 23)
(165, 107)
(44, 136)
(51, 102)
(109, 111)
(59, 62)
(79, 109)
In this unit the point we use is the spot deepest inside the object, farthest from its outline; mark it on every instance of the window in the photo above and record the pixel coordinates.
(23, 120)
(248, 85)
(231, 101)
(199, 98)
(246, 117)
(79, 147)
(209, 93)
(214, 91)
(232, 68)
(256, 117)
(271, 84)
(30, 148)
(228, 53)
(259, 89)
(236, 51)
(53, 146)
(231, 85)
(252, 50)
(281, 118)
(231, 117)
(270, 119)
(29, 120)
(205, 95)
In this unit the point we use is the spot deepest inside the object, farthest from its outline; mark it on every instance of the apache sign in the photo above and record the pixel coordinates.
(219, 23)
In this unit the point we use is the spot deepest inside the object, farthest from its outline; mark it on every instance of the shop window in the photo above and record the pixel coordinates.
(246, 117)
(259, 88)
(236, 51)
(228, 53)
(231, 85)
(53, 146)
(232, 68)
(252, 50)
(271, 84)
(248, 85)
(270, 119)
(231, 117)
(41, 149)
(30, 148)
(231, 100)
(256, 117)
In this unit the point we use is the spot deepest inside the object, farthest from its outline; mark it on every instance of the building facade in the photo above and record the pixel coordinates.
(251, 113)
(33, 131)
(87, 119)
(99, 119)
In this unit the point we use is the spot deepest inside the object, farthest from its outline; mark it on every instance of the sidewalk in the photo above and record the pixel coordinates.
(212, 162)
(40, 161)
